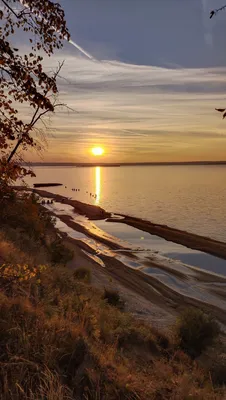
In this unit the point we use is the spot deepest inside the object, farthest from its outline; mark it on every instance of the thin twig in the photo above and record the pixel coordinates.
(10, 8)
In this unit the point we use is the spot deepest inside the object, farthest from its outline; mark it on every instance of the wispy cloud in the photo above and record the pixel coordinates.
(138, 112)
(208, 36)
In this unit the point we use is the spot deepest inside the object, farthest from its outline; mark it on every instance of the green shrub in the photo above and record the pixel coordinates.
(113, 298)
(82, 274)
(195, 330)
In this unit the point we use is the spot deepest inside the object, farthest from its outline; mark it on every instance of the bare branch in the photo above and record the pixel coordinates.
(10, 8)
(214, 12)
(36, 117)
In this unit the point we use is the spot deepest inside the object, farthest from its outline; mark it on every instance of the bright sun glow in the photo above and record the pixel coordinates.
(97, 151)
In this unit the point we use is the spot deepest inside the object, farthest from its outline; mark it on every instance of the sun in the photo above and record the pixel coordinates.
(97, 151)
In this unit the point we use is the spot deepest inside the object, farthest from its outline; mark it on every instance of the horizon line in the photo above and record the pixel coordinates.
(151, 163)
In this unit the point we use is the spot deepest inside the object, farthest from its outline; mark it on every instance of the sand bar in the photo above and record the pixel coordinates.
(188, 239)
(93, 212)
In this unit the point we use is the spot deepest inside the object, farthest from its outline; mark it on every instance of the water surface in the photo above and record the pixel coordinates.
(191, 198)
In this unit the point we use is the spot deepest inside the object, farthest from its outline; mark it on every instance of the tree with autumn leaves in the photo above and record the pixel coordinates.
(23, 80)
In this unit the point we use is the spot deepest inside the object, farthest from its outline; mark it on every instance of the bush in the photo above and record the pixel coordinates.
(60, 254)
(113, 298)
(218, 370)
(23, 210)
(82, 274)
(195, 330)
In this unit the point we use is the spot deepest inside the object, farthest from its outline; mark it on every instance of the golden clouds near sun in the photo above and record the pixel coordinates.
(97, 151)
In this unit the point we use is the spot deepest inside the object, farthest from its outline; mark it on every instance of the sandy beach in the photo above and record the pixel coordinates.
(144, 295)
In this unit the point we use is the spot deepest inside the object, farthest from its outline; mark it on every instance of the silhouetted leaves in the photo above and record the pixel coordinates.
(212, 13)
(22, 78)
(222, 110)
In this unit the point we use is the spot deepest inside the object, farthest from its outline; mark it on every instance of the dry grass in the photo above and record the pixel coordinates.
(60, 340)
(9, 252)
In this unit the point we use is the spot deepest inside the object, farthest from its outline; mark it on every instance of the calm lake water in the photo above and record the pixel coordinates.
(192, 198)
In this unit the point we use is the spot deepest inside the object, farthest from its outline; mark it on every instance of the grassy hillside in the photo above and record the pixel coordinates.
(60, 338)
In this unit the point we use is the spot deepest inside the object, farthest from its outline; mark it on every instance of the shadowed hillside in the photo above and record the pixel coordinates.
(61, 338)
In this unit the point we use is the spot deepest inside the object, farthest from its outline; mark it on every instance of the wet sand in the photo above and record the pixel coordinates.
(145, 288)
(190, 240)
(143, 302)
(78, 227)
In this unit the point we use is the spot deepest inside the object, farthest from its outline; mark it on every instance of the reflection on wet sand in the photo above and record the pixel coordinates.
(146, 269)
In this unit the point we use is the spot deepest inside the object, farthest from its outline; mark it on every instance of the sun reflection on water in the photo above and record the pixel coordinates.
(98, 184)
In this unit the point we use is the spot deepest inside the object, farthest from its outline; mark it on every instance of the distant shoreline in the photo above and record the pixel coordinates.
(186, 163)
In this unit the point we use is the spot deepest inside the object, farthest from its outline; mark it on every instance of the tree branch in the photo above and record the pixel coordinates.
(35, 118)
(214, 12)
(21, 14)
(14, 150)
(221, 8)
(10, 8)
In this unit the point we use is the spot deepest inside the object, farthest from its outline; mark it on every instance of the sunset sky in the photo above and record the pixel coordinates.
(147, 88)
